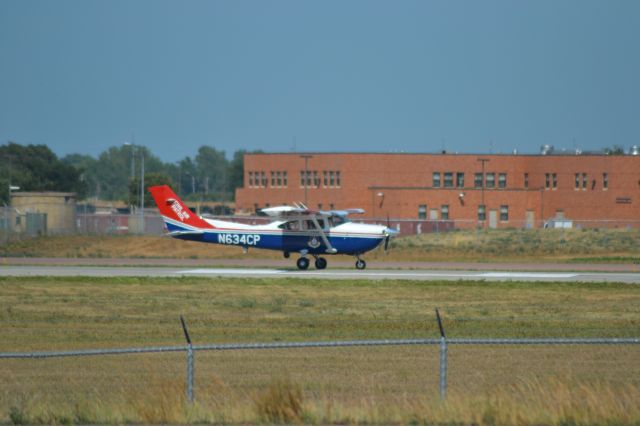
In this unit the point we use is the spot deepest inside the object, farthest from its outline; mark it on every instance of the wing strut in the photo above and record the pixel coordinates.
(330, 248)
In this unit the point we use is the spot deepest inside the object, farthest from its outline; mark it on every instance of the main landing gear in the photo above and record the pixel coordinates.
(321, 263)
(303, 263)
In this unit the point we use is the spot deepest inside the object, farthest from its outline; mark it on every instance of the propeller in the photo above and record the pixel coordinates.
(389, 232)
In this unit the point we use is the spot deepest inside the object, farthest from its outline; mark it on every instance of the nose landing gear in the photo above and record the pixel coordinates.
(360, 264)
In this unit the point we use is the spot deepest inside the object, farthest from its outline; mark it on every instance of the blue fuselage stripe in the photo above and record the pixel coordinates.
(278, 240)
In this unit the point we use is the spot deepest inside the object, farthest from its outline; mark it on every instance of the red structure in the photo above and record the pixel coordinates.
(469, 190)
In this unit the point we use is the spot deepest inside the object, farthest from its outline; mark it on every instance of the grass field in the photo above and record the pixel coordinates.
(488, 385)
(504, 245)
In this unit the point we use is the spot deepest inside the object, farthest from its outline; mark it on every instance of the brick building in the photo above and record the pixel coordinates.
(470, 190)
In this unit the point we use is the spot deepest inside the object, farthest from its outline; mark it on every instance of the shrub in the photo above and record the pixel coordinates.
(281, 402)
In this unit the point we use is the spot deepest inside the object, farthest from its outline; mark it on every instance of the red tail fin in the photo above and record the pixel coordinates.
(172, 207)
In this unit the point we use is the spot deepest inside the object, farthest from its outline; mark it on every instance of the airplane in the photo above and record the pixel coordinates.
(294, 229)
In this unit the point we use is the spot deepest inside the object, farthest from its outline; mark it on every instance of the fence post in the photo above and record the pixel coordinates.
(189, 361)
(443, 358)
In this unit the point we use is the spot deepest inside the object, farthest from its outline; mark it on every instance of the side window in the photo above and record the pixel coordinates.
(336, 220)
(293, 225)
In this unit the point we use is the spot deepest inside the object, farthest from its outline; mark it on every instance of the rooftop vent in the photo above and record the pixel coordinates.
(546, 149)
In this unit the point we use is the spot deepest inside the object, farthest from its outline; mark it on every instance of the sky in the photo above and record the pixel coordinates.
(356, 75)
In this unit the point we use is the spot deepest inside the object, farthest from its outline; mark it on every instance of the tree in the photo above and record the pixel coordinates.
(211, 167)
(36, 168)
(150, 179)
(614, 150)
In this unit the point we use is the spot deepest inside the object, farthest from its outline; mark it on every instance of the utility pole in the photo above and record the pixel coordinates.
(306, 175)
(141, 191)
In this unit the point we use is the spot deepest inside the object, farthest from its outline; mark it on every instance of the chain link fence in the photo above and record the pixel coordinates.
(13, 225)
(145, 383)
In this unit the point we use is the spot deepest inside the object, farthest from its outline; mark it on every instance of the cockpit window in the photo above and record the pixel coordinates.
(337, 220)
(292, 225)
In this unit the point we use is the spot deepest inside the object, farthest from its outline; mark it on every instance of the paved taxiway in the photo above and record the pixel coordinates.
(375, 274)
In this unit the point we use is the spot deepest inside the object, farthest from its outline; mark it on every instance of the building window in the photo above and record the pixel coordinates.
(444, 212)
(504, 213)
(554, 178)
(306, 178)
(319, 206)
(436, 179)
(250, 180)
(284, 179)
(605, 181)
(477, 180)
(279, 179)
(547, 180)
(526, 180)
(584, 181)
(481, 212)
(273, 178)
(448, 179)
(264, 179)
(577, 180)
(330, 179)
(460, 180)
(331, 207)
(490, 180)
(422, 211)
(502, 180)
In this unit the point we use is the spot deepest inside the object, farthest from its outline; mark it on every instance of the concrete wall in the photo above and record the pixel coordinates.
(60, 208)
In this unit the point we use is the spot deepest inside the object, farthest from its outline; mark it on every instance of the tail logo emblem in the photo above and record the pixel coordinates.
(178, 210)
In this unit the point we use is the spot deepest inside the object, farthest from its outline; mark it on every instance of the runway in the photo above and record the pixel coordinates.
(335, 274)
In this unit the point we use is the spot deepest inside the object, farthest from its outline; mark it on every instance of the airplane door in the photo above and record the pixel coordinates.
(493, 219)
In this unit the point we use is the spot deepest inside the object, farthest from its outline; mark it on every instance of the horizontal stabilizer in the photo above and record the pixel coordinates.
(178, 233)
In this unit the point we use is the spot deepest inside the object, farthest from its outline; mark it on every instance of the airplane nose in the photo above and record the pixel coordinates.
(390, 231)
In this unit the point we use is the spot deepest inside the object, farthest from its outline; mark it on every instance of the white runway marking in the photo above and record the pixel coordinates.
(230, 271)
(526, 275)
(369, 274)
(502, 275)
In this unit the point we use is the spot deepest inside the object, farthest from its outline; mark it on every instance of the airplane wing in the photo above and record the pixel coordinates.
(345, 212)
(287, 211)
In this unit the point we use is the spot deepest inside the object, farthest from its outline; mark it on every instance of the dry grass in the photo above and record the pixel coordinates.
(487, 385)
(587, 245)
(553, 400)
(58, 313)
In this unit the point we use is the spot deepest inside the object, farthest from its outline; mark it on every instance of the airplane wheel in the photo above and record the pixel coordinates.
(361, 264)
(303, 263)
(321, 263)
